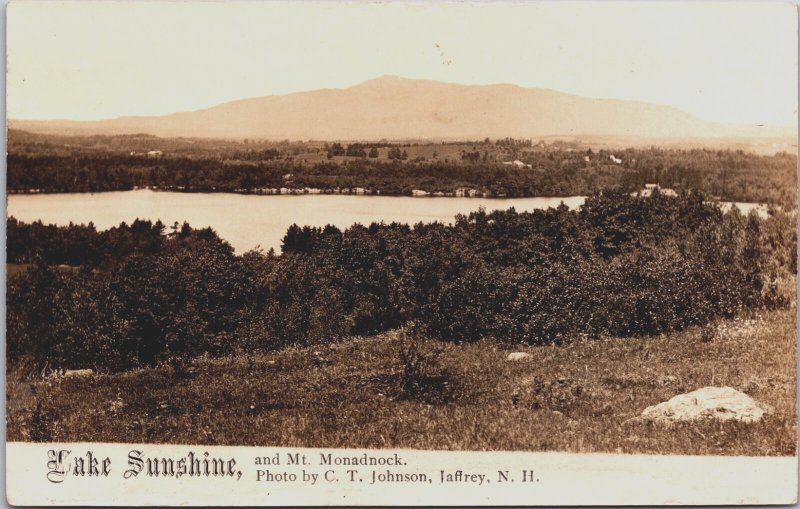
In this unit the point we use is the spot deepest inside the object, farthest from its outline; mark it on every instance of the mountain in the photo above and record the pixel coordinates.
(395, 108)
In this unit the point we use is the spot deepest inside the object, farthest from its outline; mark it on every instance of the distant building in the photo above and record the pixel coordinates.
(154, 153)
(650, 188)
(463, 192)
(615, 159)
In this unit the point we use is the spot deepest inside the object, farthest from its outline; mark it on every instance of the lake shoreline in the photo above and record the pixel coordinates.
(416, 193)
(247, 221)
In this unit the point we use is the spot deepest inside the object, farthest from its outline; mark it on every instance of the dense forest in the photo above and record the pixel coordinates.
(94, 164)
(621, 265)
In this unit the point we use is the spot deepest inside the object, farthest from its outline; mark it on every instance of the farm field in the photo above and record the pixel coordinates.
(349, 394)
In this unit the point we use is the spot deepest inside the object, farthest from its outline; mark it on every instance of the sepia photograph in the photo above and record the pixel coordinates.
(399, 253)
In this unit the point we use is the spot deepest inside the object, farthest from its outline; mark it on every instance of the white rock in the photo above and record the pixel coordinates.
(76, 373)
(720, 403)
(518, 356)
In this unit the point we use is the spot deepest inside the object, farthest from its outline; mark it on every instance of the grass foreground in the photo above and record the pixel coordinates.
(579, 397)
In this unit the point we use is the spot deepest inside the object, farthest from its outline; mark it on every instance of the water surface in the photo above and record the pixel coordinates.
(247, 221)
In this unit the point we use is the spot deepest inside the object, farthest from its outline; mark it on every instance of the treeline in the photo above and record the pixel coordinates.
(726, 175)
(82, 245)
(27, 143)
(621, 265)
(108, 173)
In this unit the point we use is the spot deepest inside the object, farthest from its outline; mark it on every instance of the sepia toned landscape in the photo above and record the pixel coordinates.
(396, 108)
(397, 334)
(404, 262)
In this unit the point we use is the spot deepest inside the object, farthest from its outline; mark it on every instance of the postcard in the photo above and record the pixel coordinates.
(401, 253)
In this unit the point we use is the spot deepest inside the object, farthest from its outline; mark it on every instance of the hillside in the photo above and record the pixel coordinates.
(395, 108)
(347, 395)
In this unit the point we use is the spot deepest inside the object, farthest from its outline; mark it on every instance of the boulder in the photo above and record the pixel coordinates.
(78, 373)
(518, 356)
(719, 403)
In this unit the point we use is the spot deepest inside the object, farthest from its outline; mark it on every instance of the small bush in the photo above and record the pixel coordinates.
(559, 395)
(708, 333)
(420, 371)
(40, 426)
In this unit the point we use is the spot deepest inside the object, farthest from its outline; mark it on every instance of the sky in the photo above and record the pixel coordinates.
(731, 62)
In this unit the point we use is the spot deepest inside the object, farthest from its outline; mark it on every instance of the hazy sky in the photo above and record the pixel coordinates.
(728, 62)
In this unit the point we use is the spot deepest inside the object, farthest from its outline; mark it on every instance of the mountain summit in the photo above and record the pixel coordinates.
(392, 108)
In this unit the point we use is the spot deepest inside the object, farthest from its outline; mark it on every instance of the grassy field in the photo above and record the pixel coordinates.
(429, 152)
(12, 269)
(348, 395)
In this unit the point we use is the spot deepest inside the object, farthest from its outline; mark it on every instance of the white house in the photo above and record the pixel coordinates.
(463, 192)
(650, 188)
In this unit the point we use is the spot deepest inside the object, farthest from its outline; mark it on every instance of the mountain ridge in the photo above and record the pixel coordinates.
(392, 107)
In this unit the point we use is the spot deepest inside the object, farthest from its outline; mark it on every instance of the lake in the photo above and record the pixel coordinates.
(247, 221)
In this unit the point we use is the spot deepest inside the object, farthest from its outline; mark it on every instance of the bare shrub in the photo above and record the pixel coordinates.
(709, 332)
(421, 374)
(180, 365)
(561, 394)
